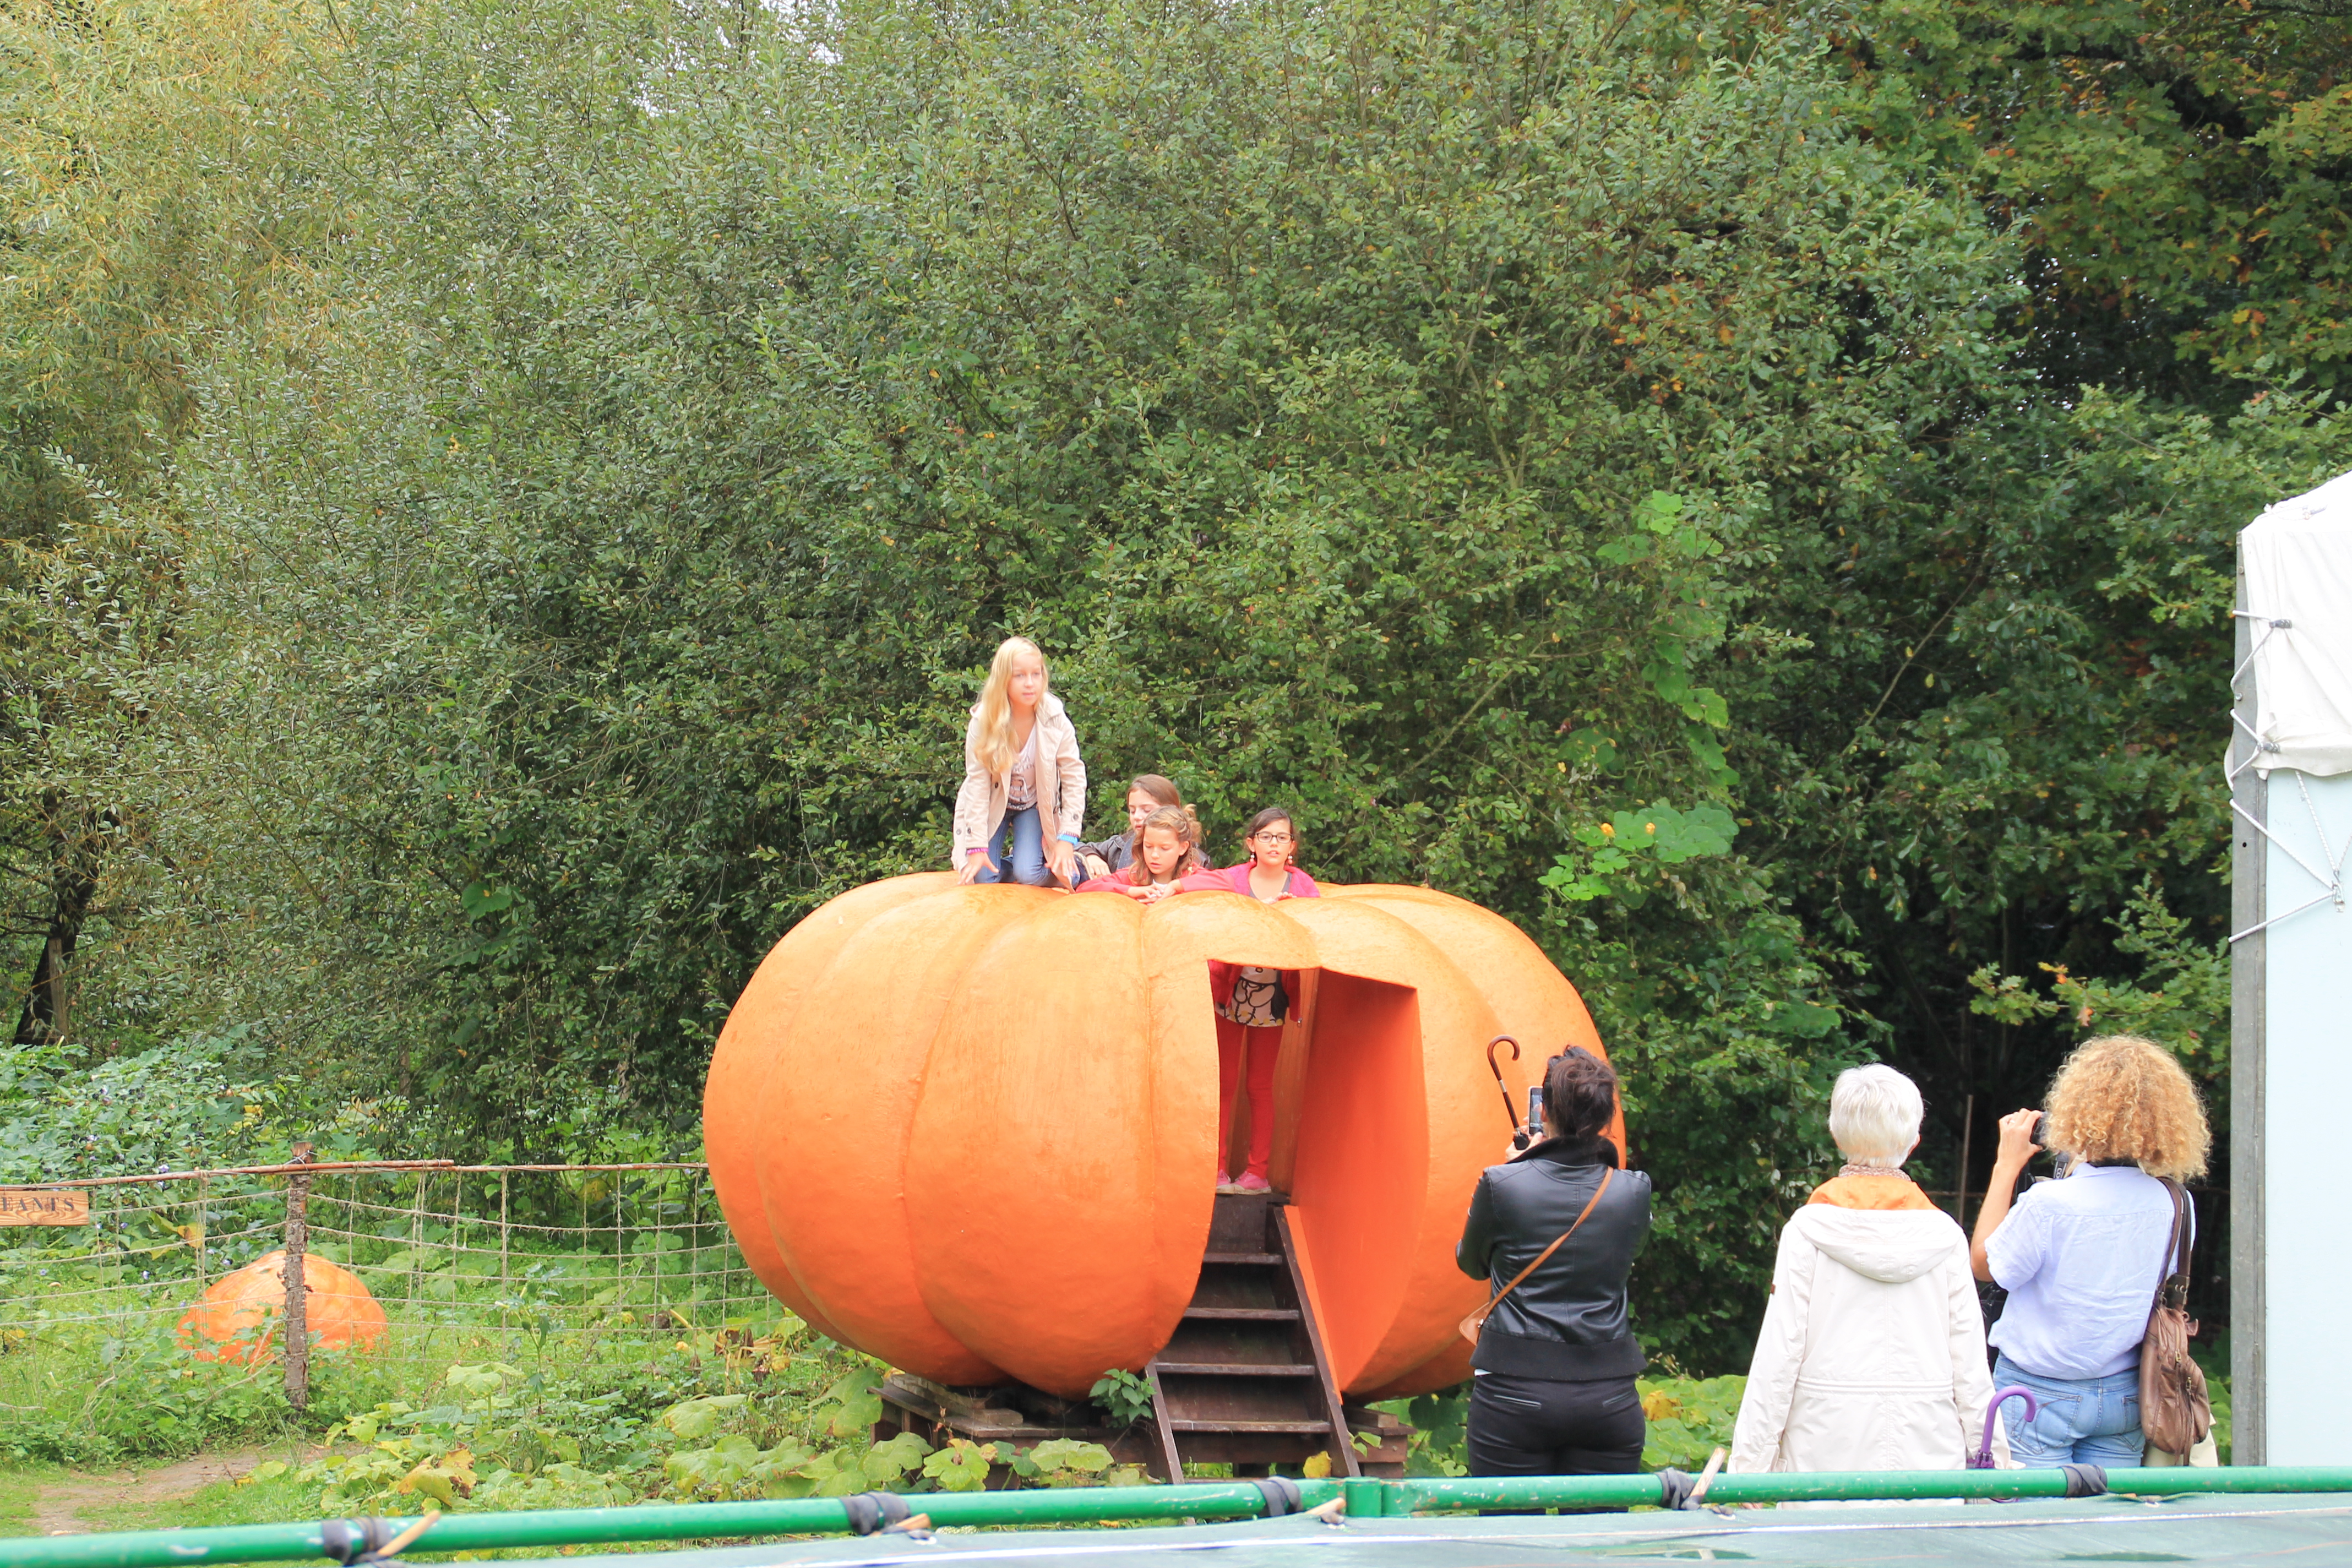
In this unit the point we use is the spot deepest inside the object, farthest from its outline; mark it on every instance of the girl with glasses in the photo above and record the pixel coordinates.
(1253, 1003)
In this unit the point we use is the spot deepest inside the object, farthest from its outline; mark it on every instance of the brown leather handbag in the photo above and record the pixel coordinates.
(2175, 1413)
(1476, 1320)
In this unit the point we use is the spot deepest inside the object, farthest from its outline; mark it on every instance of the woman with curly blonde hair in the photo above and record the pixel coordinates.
(2081, 1257)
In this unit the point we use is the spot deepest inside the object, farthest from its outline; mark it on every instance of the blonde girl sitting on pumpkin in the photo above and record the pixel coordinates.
(1167, 850)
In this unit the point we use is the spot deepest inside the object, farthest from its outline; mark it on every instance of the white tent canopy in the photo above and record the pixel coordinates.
(2291, 983)
(2298, 559)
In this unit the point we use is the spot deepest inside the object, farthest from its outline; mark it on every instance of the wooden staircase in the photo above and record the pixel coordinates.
(1245, 1381)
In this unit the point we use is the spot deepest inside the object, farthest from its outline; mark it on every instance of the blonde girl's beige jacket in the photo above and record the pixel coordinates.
(1061, 782)
(1873, 1352)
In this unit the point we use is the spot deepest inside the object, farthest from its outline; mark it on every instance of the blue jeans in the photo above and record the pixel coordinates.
(2083, 1421)
(1023, 832)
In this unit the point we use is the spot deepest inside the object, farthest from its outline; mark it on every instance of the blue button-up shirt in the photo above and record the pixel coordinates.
(2081, 1258)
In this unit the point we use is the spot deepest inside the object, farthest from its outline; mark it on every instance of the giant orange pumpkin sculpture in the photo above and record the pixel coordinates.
(972, 1130)
(337, 1306)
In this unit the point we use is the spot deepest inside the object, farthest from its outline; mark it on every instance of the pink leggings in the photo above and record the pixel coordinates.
(1264, 1046)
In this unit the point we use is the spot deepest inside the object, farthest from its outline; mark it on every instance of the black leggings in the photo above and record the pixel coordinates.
(1534, 1427)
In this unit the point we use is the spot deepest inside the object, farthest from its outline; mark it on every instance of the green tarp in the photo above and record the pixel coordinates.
(2306, 1531)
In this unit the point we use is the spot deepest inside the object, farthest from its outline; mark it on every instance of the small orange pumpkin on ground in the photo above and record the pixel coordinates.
(339, 1309)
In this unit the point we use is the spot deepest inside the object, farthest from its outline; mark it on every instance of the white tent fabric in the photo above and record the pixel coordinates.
(2287, 1021)
(2298, 563)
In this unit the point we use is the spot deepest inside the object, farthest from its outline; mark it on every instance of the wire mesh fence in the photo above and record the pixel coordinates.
(523, 1250)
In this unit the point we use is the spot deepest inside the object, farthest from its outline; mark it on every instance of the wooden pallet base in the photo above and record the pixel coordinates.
(1013, 1414)
(1019, 1416)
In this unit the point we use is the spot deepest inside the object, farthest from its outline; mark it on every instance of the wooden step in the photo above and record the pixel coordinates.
(1311, 1428)
(1269, 1259)
(1234, 1369)
(1238, 1223)
(1245, 1314)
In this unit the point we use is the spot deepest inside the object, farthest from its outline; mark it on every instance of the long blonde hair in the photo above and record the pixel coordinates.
(2123, 1098)
(993, 716)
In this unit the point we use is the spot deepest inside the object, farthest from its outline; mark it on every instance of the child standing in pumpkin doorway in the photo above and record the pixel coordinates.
(1025, 786)
(1253, 1003)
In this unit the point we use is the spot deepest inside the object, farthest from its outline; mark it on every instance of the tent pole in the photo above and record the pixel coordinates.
(2250, 791)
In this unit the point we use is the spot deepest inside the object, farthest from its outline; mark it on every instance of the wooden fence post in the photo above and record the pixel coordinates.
(297, 1316)
(506, 1230)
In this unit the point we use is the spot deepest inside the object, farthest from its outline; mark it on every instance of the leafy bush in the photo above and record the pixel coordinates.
(1729, 1035)
(200, 1100)
(1123, 1396)
(1689, 1418)
(502, 1438)
(1437, 1446)
(140, 1394)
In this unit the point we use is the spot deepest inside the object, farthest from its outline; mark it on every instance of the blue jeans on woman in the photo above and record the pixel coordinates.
(1021, 836)
(2082, 1421)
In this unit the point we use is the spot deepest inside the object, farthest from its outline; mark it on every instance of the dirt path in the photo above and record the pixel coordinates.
(58, 1510)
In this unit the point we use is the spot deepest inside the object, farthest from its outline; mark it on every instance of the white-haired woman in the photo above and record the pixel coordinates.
(1872, 1353)
(1025, 786)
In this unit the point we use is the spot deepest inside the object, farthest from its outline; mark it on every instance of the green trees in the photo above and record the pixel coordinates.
(142, 214)
(2176, 174)
(1619, 475)
(2022, 778)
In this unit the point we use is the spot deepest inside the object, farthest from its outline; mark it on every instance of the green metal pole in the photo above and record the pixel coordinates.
(1859, 1486)
(2169, 1481)
(1622, 1491)
(671, 1521)
(1090, 1505)
(1532, 1492)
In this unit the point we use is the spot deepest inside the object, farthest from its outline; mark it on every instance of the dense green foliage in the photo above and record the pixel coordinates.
(2176, 173)
(200, 1100)
(1630, 468)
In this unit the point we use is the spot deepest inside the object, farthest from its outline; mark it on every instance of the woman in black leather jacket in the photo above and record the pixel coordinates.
(1553, 1393)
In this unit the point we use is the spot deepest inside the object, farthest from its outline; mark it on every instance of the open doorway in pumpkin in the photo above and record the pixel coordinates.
(1352, 1152)
(1238, 1099)
(1362, 1096)
(1249, 1376)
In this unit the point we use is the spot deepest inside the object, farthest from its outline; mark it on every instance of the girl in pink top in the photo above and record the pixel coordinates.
(1167, 852)
(1254, 1001)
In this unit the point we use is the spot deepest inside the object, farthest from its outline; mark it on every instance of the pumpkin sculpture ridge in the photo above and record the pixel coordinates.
(972, 1130)
(338, 1310)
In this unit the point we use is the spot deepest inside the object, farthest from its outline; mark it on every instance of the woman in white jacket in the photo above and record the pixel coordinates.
(1872, 1353)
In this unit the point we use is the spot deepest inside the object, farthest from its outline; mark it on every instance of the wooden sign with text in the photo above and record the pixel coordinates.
(35, 1205)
